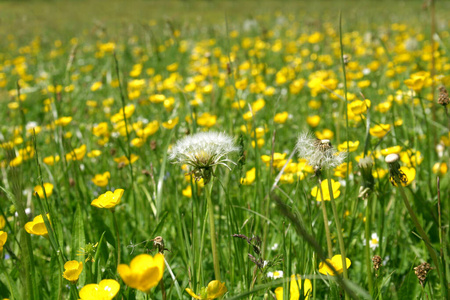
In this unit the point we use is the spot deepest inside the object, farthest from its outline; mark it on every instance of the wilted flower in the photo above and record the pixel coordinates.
(215, 289)
(72, 270)
(107, 289)
(108, 199)
(37, 226)
(295, 287)
(320, 154)
(144, 271)
(336, 262)
(203, 151)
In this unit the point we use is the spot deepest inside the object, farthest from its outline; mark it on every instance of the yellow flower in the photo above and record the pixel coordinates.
(326, 134)
(101, 180)
(96, 86)
(94, 153)
(336, 262)
(215, 289)
(100, 129)
(108, 199)
(37, 226)
(171, 123)
(438, 168)
(77, 153)
(315, 192)
(48, 187)
(124, 160)
(107, 289)
(390, 150)
(281, 118)
(50, 160)
(258, 105)
(63, 121)
(313, 121)
(72, 270)
(352, 146)
(295, 288)
(249, 177)
(3, 237)
(144, 271)
(2, 222)
(207, 120)
(410, 175)
(379, 130)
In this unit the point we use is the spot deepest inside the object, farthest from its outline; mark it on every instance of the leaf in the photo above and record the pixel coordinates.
(79, 241)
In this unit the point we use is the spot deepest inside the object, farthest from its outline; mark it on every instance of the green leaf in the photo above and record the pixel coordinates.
(78, 241)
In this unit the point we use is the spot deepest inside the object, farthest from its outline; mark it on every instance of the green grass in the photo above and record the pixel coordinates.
(54, 51)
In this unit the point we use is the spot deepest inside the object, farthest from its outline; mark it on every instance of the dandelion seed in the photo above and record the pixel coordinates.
(203, 152)
(319, 154)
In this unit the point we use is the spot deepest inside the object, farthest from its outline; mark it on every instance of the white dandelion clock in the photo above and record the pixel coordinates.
(203, 151)
(320, 154)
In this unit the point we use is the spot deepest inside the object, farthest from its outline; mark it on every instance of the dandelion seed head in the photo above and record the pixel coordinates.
(320, 154)
(203, 151)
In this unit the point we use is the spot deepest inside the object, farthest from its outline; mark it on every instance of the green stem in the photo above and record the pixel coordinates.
(367, 232)
(325, 220)
(339, 229)
(212, 230)
(419, 228)
(116, 228)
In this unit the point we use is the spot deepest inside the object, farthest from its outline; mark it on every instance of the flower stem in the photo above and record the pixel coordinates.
(367, 233)
(339, 229)
(325, 220)
(116, 228)
(212, 230)
(419, 228)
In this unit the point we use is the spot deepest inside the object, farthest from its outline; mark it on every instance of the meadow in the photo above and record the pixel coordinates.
(224, 149)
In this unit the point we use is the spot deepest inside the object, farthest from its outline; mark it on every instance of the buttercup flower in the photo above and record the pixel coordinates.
(37, 226)
(295, 287)
(319, 154)
(315, 192)
(336, 262)
(3, 237)
(107, 289)
(203, 152)
(144, 271)
(40, 191)
(108, 199)
(72, 270)
(101, 180)
(215, 289)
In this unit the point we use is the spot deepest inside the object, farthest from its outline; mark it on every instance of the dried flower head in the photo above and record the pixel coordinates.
(203, 151)
(421, 272)
(443, 98)
(320, 154)
(376, 262)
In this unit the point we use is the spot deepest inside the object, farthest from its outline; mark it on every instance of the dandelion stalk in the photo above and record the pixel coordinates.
(212, 230)
(397, 178)
(325, 220)
(338, 228)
